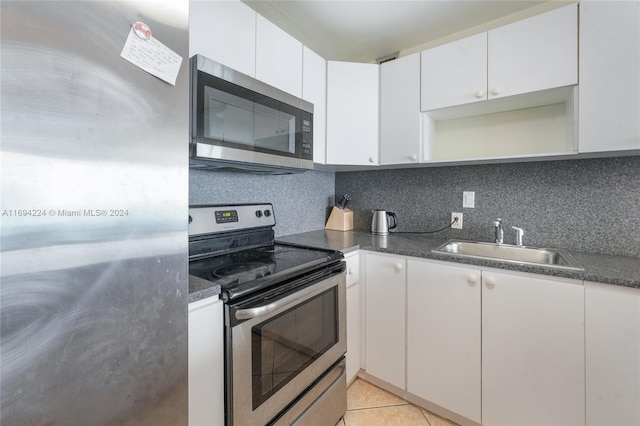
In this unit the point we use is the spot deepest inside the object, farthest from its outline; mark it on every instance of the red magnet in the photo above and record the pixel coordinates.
(142, 30)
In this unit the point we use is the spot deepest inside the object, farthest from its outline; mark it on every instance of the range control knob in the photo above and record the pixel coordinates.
(267, 213)
(258, 213)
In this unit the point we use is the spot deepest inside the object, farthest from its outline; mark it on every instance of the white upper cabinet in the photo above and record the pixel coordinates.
(314, 90)
(527, 56)
(352, 113)
(609, 98)
(454, 73)
(278, 58)
(224, 31)
(400, 110)
(534, 54)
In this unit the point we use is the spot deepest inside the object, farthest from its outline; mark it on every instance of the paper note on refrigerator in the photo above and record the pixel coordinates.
(152, 56)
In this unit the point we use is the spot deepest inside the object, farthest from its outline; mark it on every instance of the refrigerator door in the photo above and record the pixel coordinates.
(94, 175)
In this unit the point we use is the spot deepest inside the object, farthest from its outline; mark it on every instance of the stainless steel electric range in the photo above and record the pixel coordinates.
(285, 317)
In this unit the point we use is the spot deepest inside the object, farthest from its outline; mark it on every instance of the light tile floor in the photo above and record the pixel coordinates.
(368, 405)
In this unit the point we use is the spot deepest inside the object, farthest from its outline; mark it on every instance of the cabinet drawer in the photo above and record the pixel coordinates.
(353, 269)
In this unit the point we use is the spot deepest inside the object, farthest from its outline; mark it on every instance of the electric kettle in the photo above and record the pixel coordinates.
(382, 221)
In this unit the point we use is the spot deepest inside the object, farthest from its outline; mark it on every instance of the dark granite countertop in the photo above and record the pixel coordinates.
(616, 270)
(201, 289)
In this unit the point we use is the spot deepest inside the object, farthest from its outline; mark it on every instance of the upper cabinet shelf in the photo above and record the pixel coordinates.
(527, 56)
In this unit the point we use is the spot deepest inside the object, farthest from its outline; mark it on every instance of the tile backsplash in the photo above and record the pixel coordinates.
(300, 201)
(585, 205)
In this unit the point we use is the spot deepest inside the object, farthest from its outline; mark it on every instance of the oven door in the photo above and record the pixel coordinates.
(282, 346)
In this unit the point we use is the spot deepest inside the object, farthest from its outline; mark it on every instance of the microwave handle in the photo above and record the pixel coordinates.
(245, 314)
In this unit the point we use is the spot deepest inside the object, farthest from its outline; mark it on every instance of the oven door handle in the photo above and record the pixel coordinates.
(245, 314)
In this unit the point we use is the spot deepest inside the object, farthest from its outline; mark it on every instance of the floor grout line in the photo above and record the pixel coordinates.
(401, 403)
(425, 416)
(378, 406)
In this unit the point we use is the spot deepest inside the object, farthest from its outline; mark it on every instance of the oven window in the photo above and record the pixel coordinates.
(283, 346)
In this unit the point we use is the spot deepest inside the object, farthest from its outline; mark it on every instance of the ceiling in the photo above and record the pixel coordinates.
(365, 30)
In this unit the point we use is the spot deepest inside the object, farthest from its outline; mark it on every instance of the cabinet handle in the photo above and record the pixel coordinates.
(413, 157)
(490, 282)
(495, 91)
(371, 160)
(398, 267)
(350, 271)
(480, 94)
(472, 279)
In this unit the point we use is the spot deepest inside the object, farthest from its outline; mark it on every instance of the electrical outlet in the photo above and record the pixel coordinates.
(458, 224)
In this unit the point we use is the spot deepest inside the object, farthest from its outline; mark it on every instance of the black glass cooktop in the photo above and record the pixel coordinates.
(248, 271)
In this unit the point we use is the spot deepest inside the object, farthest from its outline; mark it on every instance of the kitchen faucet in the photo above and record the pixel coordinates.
(499, 231)
(519, 234)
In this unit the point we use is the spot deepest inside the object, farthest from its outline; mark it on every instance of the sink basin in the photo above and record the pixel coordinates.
(552, 258)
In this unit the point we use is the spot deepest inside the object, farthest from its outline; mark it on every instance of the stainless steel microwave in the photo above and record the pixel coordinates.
(240, 122)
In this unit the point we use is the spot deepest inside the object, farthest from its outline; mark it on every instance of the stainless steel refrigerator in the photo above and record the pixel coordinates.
(93, 209)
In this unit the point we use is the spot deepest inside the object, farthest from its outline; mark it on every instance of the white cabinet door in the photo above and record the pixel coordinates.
(400, 110)
(278, 58)
(612, 354)
(443, 336)
(352, 113)
(385, 318)
(530, 55)
(314, 90)
(224, 31)
(353, 331)
(532, 350)
(534, 54)
(206, 363)
(609, 98)
(354, 322)
(454, 73)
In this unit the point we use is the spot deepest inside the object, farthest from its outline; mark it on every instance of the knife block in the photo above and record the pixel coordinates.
(340, 220)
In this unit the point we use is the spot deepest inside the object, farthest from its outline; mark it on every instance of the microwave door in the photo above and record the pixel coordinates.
(275, 130)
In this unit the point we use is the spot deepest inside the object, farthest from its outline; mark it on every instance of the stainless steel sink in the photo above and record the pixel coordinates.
(552, 258)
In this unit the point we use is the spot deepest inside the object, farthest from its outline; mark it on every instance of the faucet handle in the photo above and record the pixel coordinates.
(519, 235)
(497, 221)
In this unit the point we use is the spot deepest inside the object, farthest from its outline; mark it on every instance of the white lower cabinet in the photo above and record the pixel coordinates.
(353, 317)
(385, 318)
(533, 370)
(502, 348)
(612, 354)
(353, 332)
(206, 363)
(443, 336)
